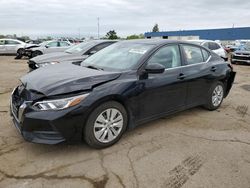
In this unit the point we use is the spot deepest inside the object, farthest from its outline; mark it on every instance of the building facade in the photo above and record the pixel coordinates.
(226, 34)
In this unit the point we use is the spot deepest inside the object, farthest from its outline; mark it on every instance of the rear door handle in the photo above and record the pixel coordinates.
(181, 76)
(213, 69)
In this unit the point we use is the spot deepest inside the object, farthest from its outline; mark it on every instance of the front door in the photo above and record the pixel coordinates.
(162, 93)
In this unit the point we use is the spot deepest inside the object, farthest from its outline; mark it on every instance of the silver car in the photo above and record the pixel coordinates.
(12, 46)
(47, 47)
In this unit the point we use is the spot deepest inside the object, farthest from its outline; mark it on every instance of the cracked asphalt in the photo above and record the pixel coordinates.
(191, 149)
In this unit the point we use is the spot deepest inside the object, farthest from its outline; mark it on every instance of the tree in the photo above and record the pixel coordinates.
(111, 35)
(155, 28)
(48, 38)
(130, 37)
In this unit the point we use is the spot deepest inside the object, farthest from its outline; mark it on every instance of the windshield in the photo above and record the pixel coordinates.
(247, 46)
(82, 47)
(119, 56)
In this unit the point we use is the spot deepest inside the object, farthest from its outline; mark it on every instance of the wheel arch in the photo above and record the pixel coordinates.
(116, 98)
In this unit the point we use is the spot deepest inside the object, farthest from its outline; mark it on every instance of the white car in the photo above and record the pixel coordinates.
(214, 46)
(12, 46)
(47, 47)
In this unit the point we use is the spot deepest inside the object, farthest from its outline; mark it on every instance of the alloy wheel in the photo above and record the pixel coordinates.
(217, 96)
(108, 125)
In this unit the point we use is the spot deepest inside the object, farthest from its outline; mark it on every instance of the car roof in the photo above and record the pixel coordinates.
(155, 41)
(202, 40)
(100, 41)
(11, 39)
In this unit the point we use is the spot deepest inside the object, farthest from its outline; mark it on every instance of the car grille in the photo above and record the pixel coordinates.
(241, 57)
(17, 100)
(246, 54)
(32, 64)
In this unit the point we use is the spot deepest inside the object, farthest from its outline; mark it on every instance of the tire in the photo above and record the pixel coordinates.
(213, 95)
(99, 132)
(36, 53)
(19, 53)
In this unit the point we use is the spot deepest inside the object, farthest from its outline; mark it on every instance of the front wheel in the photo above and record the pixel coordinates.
(215, 96)
(105, 125)
(19, 53)
(36, 53)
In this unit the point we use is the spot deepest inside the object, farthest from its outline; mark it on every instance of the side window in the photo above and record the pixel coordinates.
(168, 56)
(52, 44)
(100, 46)
(193, 54)
(206, 54)
(11, 42)
(64, 44)
(206, 45)
(1, 42)
(213, 46)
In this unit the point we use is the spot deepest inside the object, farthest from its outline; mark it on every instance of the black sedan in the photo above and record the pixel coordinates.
(75, 54)
(116, 89)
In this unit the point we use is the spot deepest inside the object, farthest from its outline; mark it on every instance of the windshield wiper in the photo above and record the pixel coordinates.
(93, 67)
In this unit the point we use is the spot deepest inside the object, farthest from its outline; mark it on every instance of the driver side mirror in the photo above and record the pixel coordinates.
(46, 46)
(155, 68)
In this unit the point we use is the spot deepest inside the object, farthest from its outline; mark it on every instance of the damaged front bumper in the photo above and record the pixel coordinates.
(44, 127)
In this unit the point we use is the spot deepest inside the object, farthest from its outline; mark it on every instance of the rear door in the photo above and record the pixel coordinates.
(11, 46)
(52, 47)
(63, 45)
(162, 93)
(197, 73)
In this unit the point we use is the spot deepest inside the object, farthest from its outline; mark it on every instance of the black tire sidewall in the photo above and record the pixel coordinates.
(210, 105)
(18, 54)
(36, 53)
(88, 132)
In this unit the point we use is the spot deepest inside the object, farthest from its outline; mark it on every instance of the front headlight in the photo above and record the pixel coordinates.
(60, 104)
(47, 63)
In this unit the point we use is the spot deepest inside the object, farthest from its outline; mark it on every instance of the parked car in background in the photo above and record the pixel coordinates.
(242, 55)
(34, 41)
(123, 85)
(46, 47)
(214, 46)
(13, 47)
(75, 54)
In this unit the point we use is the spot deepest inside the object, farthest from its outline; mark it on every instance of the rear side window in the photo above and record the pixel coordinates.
(64, 44)
(192, 54)
(213, 46)
(11, 42)
(206, 54)
(1, 42)
(100, 46)
(205, 45)
(168, 56)
(52, 44)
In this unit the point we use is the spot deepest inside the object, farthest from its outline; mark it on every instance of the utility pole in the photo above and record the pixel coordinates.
(98, 27)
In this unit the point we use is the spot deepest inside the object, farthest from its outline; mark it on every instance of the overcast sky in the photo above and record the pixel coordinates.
(68, 17)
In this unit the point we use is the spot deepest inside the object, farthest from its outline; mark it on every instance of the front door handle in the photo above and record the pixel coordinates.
(181, 76)
(213, 69)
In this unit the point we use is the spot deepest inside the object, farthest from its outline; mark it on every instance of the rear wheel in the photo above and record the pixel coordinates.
(215, 96)
(36, 53)
(105, 125)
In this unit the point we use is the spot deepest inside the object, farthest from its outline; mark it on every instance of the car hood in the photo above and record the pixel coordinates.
(242, 51)
(58, 57)
(28, 46)
(65, 78)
